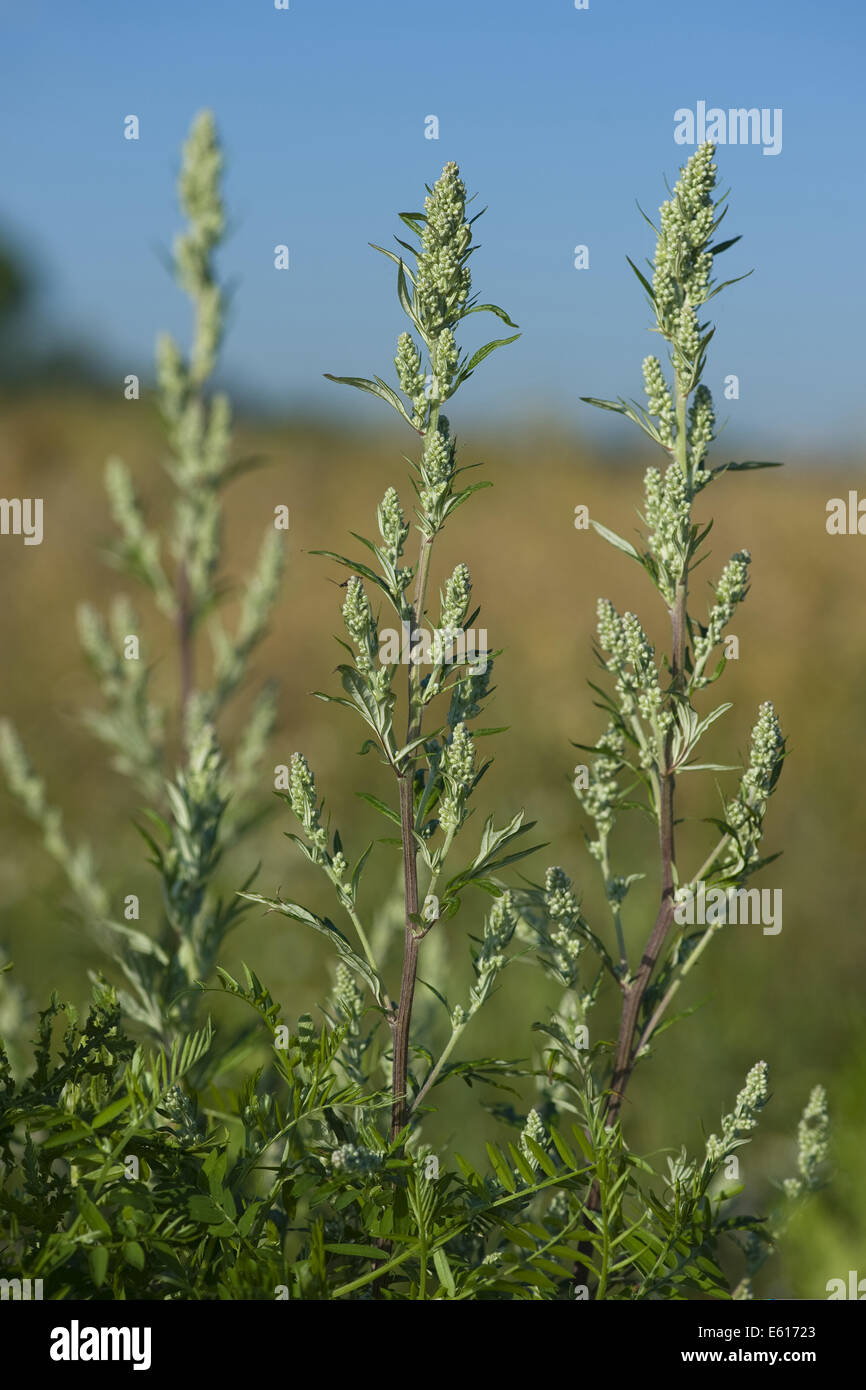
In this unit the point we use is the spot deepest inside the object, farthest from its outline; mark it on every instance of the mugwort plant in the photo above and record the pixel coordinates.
(654, 727)
(150, 1154)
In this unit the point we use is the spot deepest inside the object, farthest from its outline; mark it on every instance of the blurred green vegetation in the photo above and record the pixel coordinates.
(795, 1000)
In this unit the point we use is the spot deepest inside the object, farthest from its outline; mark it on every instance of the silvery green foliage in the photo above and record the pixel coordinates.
(314, 1180)
(436, 768)
(652, 738)
(180, 571)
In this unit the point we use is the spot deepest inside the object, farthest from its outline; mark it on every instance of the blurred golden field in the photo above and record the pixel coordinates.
(795, 1000)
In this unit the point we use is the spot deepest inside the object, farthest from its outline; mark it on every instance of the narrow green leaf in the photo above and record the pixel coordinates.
(523, 1167)
(541, 1156)
(443, 1269)
(745, 466)
(359, 869)
(613, 539)
(380, 806)
(491, 309)
(617, 407)
(357, 566)
(485, 351)
(565, 1153)
(644, 281)
(501, 1169)
(373, 388)
(326, 928)
(721, 246)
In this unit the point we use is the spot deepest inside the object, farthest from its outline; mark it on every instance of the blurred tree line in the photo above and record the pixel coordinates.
(30, 353)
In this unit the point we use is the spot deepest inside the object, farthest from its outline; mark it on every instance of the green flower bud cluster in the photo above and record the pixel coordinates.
(533, 1129)
(683, 265)
(453, 608)
(170, 376)
(199, 526)
(469, 694)
(667, 513)
(180, 1111)
(701, 433)
(304, 801)
(353, 1158)
(559, 899)
(363, 630)
(600, 798)
(200, 198)
(393, 526)
(813, 1143)
(688, 337)
(455, 603)
(745, 814)
(499, 928)
(217, 439)
(732, 588)
(204, 775)
(659, 399)
(23, 781)
(458, 775)
(410, 375)
(437, 472)
(736, 1126)
(198, 799)
(444, 359)
(629, 647)
(140, 546)
(621, 637)
(360, 624)
(443, 278)
(349, 1009)
(188, 439)
(564, 910)
(767, 751)
(348, 995)
(199, 184)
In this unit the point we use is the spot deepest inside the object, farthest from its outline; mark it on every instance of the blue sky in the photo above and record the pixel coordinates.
(559, 118)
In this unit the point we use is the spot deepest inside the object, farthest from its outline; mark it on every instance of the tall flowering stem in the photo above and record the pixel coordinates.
(653, 713)
(435, 772)
(199, 810)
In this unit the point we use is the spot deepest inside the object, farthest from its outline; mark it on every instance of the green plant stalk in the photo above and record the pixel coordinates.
(435, 1071)
(355, 919)
(626, 1055)
(435, 298)
(682, 270)
(402, 1021)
